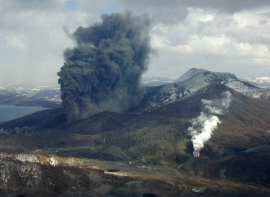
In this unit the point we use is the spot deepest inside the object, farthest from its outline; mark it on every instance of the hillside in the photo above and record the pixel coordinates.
(157, 139)
(162, 133)
(22, 95)
(191, 81)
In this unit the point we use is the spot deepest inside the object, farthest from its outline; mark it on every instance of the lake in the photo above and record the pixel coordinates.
(10, 112)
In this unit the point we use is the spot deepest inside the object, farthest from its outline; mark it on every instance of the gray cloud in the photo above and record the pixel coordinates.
(32, 40)
(224, 5)
(31, 4)
(224, 35)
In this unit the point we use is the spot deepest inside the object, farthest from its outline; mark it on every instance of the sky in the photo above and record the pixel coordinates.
(217, 35)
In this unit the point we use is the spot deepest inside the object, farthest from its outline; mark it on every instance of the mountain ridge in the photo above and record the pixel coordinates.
(157, 139)
(191, 81)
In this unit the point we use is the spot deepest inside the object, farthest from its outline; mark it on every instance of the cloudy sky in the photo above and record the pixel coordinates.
(218, 35)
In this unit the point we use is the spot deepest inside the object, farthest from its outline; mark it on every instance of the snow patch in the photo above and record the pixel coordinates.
(198, 189)
(238, 86)
(27, 158)
(30, 172)
(52, 161)
(265, 81)
(5, 156)
(222, 173)
(173, 95)
(256, 95)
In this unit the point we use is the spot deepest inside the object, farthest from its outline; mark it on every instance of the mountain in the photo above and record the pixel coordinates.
(189, 83)
(263, 81)
(190, 73)
(147, 150)
(247, 121)
(155, 81)
(46, 96)
(195, 79)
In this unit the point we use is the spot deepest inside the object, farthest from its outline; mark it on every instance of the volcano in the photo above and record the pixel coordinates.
(147, 143)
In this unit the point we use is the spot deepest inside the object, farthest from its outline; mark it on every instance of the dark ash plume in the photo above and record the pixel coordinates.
(102, 72)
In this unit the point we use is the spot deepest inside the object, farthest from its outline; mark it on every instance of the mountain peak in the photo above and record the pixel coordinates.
(193, 80)
(263, 81)
(190, 73)
(195, 71)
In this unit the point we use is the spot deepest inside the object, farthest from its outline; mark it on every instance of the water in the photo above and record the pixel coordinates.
(10, 112)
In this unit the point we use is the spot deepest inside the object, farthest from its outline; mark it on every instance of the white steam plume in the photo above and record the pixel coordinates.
(203, 126)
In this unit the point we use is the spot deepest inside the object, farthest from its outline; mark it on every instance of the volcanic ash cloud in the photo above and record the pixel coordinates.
(203, 126)
(102, 72)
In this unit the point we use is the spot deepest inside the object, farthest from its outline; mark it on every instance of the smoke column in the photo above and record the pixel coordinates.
(102, 72)
(203, 126)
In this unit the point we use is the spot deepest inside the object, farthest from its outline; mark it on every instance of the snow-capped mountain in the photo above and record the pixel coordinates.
(193, 80)
(6, 92)
(156, 81)
(190, 73)
(263, 81)
(31, 90)
(22, 94)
